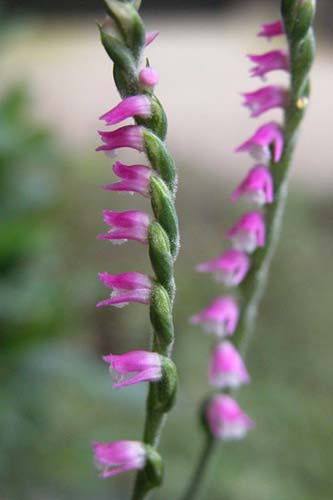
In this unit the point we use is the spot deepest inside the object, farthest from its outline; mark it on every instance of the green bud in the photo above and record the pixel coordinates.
(129, 23)
(165, 211)
(160, 158)
(160, 256)
(161, 319)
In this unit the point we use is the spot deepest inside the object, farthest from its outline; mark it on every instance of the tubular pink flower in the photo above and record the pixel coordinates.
(257, 186)
(129, 225)
(145, 367)
(135, 179)
(119, 456)
(248, 233)
(259, 144)
(149, 77)
(230, 268)
(130, 136)
(220, 317)
(150, 37)
(264, 99)
(270, 61)
(225, 418)
(136, 105)
(227, 368)
(270, 30)
(127, 287)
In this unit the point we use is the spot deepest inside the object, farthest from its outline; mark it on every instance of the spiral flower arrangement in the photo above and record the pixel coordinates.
(124, 39)
(243, 266)
(253, 237)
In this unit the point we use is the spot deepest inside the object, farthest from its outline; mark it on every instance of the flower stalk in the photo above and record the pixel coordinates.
(273, 146)
(124, 39)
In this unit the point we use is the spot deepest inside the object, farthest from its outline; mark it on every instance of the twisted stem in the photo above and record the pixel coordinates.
(298, 18)
(124, 40)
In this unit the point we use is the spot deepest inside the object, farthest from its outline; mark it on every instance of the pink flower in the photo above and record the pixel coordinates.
(130, 225)
(130, 136)
(119, 456)
(266, 98)
(227, 368)
(150, 37)
(230, 268)
(257, 186)
(220, 317)
(248, 233)
(270, 30)
(270, 61)
(225, 418)
(149, 77)
(136, 105)
(259, 144)
(146, 367)
(135, 179)
(127, 287)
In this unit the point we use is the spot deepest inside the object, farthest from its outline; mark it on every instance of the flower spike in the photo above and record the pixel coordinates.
(144, 367)
(136, 105)
(119, 456)
(227, 369)
(270, 61)
(220, 317)
(264, 99)
(230, 268)
(130, 225)
(257, 186)
(271, 30)
(248, 233)
(225, 418)
(127, 287)
(124, 38)
(271, 143)
(259, 144)
(135, 179)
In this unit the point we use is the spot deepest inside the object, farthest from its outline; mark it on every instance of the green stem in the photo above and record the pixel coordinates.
(200, 469)
(253, 287)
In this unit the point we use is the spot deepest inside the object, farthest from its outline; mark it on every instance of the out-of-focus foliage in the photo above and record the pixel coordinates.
(29, 196)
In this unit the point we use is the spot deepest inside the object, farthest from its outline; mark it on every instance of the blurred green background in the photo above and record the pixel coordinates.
(55, 392)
